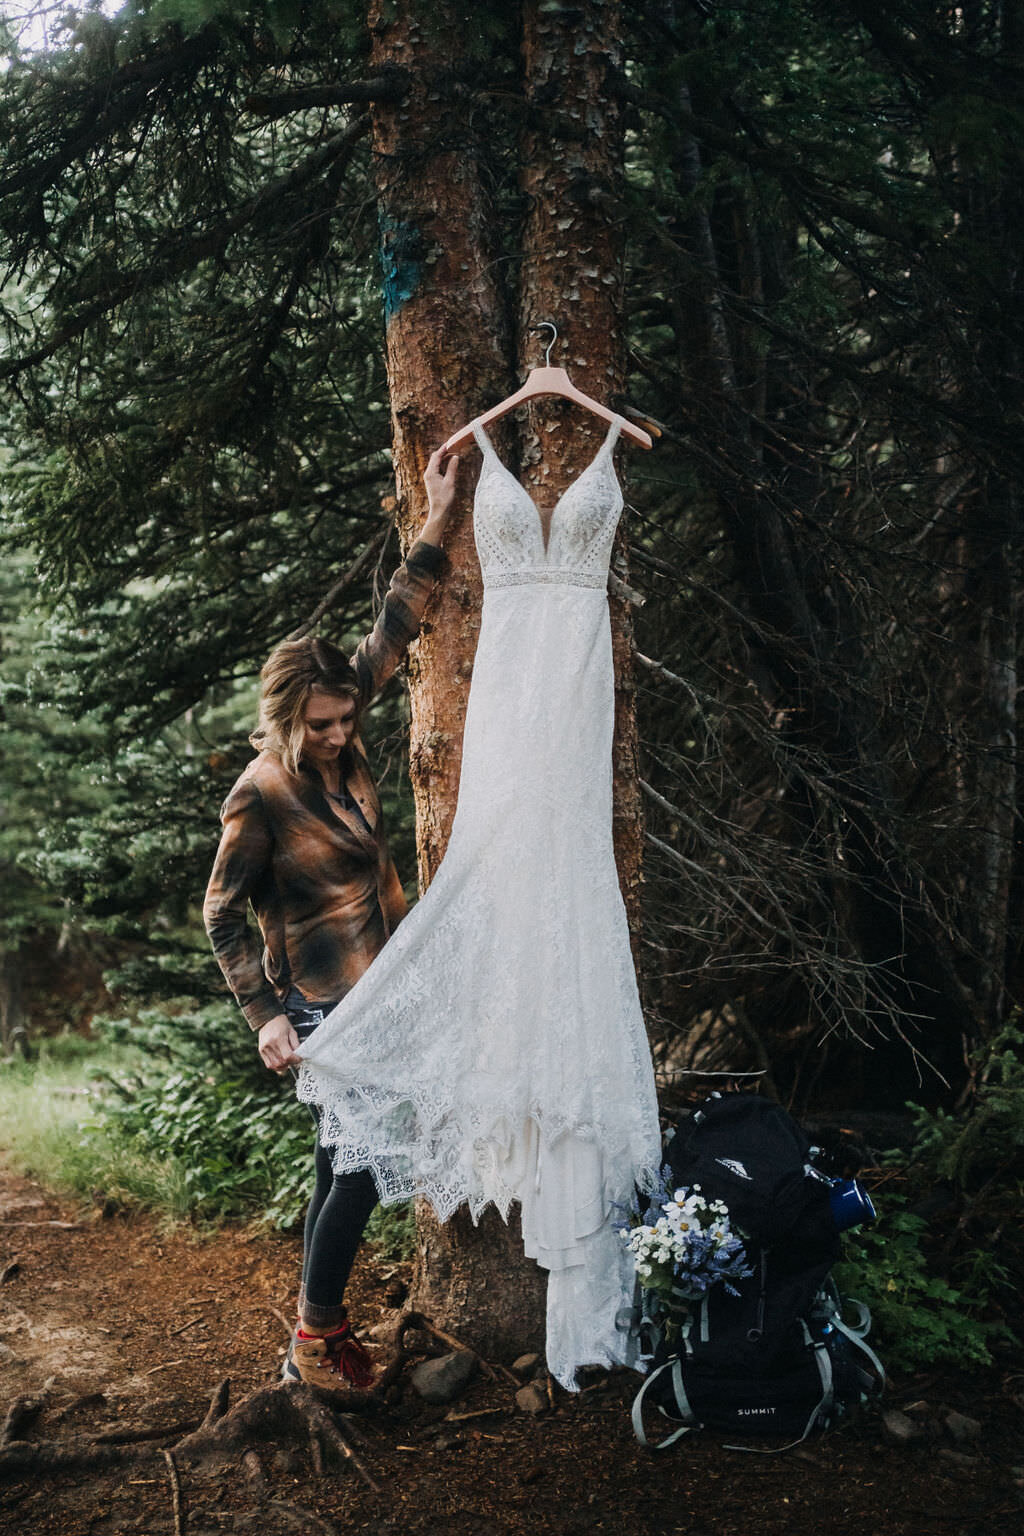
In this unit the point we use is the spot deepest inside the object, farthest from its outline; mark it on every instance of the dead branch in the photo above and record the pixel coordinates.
(391, 85)
(618, 588)
(359, 564)
(165, 1365)
(65, 1226)
(184, 1327)
(417, 1320)
(288, 1327)
(177, 1504)
(481, 1413)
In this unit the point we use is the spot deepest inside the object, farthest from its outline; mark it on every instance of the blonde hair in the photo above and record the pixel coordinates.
(294, 670)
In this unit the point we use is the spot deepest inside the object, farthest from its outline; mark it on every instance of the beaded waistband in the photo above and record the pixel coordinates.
(559, 576)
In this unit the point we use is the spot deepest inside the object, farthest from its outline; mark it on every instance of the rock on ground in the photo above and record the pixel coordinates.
(438, 1381)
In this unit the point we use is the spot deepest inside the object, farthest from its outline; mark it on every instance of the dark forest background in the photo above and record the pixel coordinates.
(820, 298)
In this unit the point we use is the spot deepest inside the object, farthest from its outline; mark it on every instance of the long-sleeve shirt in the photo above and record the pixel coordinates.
(317, 875)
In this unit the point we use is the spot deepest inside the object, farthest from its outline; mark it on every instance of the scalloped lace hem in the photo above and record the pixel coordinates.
(417, 1147)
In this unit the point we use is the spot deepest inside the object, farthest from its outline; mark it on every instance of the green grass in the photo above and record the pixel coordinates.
(51, 1129)
(63, 1122)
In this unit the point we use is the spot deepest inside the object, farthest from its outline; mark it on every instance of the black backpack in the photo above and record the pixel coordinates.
(778, 1358)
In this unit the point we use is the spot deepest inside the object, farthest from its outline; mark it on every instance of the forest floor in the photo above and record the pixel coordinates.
(119, 1326)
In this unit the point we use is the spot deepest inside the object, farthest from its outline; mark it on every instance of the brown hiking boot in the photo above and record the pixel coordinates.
(335, 1362)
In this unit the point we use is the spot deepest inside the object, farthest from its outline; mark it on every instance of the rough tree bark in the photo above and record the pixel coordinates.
(447, 352)
(448, 356)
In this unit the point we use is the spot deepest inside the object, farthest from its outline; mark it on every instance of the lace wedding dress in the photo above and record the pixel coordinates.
(495, 1050)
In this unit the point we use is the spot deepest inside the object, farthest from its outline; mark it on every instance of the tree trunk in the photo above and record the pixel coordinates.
(572, 276)
(13, 1034)
(996, 594)
(448, 357)
(447, 354)
(993, 208)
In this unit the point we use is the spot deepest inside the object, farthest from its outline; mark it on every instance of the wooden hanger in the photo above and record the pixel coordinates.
(548, 381)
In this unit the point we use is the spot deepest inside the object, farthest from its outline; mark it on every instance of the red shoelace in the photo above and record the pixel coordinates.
(347, 1356)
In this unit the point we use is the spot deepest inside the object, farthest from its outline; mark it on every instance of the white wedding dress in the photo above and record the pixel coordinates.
(495, 1050)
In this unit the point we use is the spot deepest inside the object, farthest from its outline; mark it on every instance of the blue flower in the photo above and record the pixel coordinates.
(681, 1244)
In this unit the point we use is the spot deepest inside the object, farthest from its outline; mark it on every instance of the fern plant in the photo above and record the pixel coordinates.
(919, 1317)
(207, 1102)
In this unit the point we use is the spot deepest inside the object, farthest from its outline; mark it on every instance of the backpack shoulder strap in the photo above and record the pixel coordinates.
(856, 1332)
(682, 1403)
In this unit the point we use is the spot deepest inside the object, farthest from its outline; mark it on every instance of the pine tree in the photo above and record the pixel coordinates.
(809, 212)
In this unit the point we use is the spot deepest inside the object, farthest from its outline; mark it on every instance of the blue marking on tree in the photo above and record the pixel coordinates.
(401, 260)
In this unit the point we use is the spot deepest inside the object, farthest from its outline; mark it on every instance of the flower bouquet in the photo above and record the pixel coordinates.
(682, 1245)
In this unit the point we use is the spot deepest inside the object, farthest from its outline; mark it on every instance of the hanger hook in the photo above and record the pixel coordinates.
(548, 325)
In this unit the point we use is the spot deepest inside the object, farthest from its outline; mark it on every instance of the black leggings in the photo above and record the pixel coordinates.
(335, 1221)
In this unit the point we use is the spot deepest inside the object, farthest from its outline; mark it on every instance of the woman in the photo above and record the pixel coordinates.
(303, 845)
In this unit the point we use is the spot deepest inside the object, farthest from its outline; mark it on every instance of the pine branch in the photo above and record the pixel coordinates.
(181, 253)
(90, 114)
(391, 86)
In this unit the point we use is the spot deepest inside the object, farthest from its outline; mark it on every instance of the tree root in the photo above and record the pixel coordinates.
(287, 1412)
(19, 1415)
(46, 1456)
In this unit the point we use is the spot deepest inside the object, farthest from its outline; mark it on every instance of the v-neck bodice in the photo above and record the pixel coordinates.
(509, 530)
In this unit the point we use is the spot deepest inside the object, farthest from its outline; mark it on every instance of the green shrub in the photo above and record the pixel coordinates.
(918, 1318)
(206, 1101)
(986, 1143)
(937, 1290)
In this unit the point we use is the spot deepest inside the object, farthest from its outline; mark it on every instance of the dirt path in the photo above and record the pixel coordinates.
(112, 1322)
